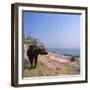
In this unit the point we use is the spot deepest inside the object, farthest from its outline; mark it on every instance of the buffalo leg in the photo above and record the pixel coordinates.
(31, 61)
(35, 61)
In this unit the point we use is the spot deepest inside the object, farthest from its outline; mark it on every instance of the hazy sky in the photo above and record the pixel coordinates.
(54, 30)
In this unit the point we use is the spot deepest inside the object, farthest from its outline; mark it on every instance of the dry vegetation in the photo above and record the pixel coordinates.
(48, 66)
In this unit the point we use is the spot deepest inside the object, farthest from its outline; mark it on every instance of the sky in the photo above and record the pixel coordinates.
(54, 30)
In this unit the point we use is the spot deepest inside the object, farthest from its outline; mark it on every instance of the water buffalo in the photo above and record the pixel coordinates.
(33, 52)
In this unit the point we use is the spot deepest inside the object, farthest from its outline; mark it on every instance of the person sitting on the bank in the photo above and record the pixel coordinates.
(72, 59)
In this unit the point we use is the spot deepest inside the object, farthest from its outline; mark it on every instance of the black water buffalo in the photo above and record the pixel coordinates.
(33, 52)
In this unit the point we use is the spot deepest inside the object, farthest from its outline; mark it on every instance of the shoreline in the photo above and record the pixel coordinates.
(65, 51)
(63, 57)
(66, 55)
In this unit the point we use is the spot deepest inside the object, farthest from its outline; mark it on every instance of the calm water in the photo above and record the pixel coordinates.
(65, 51)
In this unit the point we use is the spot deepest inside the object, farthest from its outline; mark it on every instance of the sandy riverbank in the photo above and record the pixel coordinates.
(52, 65)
